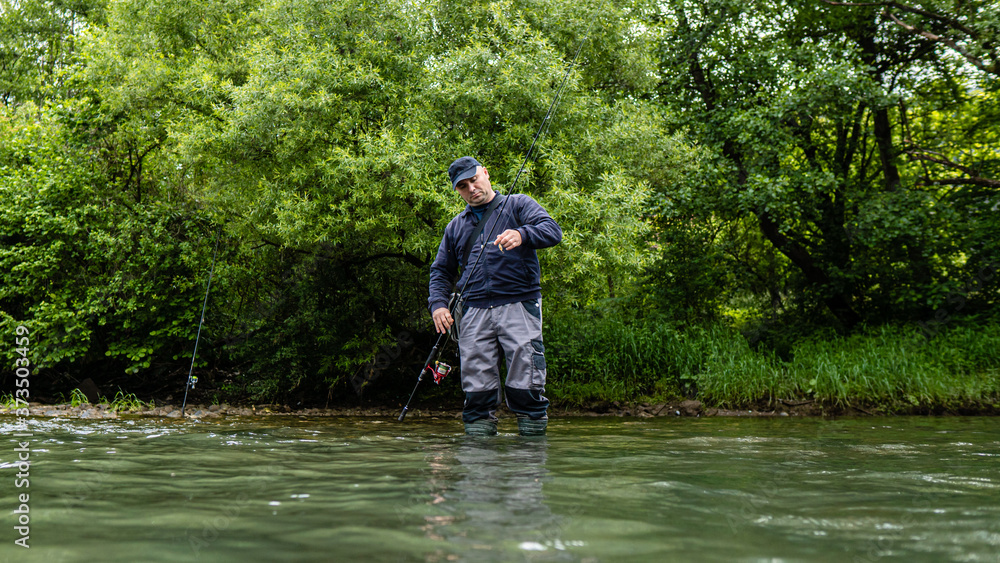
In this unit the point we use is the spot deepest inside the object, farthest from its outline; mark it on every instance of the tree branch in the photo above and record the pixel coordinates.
(920, 154)
(838, 301)
(976, 61)
(952, 23)
(406, 256)
(973, 181)
(830, 2)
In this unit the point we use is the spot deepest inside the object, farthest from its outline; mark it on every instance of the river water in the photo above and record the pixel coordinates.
(595, 489)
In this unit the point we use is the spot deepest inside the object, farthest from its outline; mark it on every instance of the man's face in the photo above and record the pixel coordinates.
(477, 189)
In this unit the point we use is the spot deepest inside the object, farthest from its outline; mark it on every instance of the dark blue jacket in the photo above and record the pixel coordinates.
(501, 277)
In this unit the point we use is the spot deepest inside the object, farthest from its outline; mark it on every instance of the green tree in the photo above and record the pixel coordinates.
(38, 46)
(809, 111)
(317, 136)
(103, 284)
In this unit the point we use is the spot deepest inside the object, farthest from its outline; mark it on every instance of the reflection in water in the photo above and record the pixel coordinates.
(490, 505)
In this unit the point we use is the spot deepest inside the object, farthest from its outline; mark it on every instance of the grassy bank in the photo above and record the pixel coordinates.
(892, 369)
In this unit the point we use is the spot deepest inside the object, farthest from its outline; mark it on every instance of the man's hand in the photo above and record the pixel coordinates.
(442, 319)
(508, 239)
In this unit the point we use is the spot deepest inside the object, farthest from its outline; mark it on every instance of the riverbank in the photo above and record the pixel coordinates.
(643, 410)
(619, 369)
(687, 408)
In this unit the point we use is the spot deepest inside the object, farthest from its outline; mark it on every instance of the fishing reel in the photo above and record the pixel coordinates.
(440, 370)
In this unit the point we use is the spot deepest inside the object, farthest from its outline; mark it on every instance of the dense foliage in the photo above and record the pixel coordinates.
(854, 164)
(752, 176)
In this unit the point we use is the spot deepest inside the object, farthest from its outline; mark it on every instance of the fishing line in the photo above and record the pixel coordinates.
(431, 366)
(528, 155)
(192, 379)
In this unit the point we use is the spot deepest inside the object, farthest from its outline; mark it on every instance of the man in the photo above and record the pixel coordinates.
(503, 305)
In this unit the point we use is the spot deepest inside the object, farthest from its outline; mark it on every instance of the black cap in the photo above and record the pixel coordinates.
(461, 169)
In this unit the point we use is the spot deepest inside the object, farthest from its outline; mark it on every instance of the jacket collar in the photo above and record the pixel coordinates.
(499, 197)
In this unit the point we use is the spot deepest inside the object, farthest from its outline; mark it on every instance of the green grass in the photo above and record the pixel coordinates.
(8, 401)
(123, 402)
(897, 368)
(893, 369)
(77, 398)
(126, 402)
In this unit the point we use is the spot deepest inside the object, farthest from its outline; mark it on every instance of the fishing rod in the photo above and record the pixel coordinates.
(432, 366)
(193, 379)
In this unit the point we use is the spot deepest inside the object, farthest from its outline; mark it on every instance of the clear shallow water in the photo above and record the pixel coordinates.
(607, 489)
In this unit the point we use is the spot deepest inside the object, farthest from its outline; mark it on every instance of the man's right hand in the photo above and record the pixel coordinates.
(442, 319)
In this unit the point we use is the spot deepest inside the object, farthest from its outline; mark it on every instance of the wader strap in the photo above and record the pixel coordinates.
(456, 298)
(479, 230)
